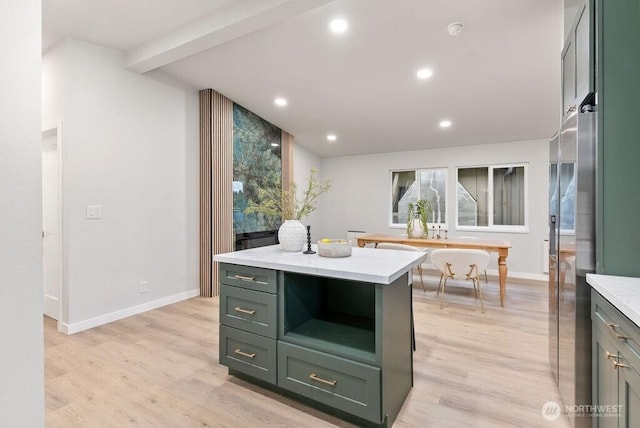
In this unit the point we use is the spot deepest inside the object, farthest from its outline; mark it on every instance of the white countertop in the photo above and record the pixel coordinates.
(622, 292)
(364, 264)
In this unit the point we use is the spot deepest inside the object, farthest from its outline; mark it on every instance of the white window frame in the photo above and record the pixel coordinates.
(491, 227)
(416, 171)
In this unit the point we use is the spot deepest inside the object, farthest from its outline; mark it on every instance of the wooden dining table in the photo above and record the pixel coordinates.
(499, 246)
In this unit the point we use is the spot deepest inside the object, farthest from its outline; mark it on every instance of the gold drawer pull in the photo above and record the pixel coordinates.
(243, 311)
(314, 376)
(610, 355)
(244, 354)
(613, 326)
(244, 278)
(617, 364)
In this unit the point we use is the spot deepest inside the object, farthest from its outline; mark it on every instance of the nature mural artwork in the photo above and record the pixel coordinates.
(256, 165)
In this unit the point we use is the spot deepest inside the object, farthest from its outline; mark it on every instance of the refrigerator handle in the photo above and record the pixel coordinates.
(552, 235)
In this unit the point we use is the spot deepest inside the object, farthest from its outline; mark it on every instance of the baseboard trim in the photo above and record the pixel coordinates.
(124, 313)
(540, 277)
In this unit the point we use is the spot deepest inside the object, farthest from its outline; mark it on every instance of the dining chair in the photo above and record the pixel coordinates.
(472, 238)
(465, 263)
(403, 247)
(353, 235)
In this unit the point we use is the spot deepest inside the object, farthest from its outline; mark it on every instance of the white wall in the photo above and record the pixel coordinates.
(303, 161)
(21, 349)
(361, 196)
(130, 144)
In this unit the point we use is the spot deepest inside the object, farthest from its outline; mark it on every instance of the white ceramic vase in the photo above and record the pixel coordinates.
(417, 231)
(292, 235)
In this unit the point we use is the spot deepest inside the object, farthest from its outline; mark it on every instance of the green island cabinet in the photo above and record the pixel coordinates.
(615, 353)
(333, 333)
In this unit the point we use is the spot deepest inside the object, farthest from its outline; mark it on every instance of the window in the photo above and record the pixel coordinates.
(492, 197)
(562, 190)
(412, 185)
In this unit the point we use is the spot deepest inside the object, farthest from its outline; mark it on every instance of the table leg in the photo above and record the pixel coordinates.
(502, 272)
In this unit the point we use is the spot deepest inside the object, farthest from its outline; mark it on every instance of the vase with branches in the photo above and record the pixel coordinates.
(417, 215)
(285, 204)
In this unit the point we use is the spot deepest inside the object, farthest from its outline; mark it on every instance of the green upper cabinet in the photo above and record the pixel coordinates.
(569, 77)
(618, 95)
(578, 60)
(584, 40)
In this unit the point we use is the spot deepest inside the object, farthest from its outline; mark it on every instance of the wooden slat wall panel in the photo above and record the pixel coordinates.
(205, 192)
(287, 159)
(216, 175)
(222, 177)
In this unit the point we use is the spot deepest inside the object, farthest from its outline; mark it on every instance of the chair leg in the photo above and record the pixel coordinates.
(420, 272)
(441, 276)
(443, 281)
(470, 276)
(477, 279)
(486, 281)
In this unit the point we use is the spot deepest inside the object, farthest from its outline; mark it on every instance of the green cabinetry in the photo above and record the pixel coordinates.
(335, 381)
(344, 345)
(618, 128)
(616, 366)
(578, 80)
(248, 321)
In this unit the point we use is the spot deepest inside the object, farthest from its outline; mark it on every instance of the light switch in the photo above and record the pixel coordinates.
(94, 212)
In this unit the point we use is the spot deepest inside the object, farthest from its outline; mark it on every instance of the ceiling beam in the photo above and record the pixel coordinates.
(228, 23)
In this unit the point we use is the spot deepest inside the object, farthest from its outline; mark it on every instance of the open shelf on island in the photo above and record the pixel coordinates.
(330, 314)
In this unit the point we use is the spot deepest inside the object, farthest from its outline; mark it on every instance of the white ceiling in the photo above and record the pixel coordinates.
(498, 81)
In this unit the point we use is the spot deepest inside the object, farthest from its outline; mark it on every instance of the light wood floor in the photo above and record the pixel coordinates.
(161, 369)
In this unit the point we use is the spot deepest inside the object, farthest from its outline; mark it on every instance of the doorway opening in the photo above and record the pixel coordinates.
(52, 222)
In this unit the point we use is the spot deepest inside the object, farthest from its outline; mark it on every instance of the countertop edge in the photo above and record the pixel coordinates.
(236, 259)
(622, 292)
(382, 279)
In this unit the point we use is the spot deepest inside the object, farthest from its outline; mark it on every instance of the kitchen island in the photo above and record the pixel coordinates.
(335, 333)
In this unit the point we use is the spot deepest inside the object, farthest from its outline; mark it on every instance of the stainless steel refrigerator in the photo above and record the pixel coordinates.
(571, 256)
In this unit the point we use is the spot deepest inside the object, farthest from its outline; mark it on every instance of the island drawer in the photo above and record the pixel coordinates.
(617, 327)
(338, 382)
(248, 353)
(248, 310)
(249, 277)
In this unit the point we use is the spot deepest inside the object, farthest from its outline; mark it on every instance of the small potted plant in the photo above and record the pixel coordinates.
(417, 216)
(275, 202)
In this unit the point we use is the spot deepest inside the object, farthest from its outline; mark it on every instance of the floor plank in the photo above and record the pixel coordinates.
(160, 369)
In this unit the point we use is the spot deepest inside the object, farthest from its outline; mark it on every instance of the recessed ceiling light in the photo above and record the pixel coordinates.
(280, 102)
(331, 137)
(424, 73)
(455, 28)
(338, 26)
(275, 145)
(445, 123)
